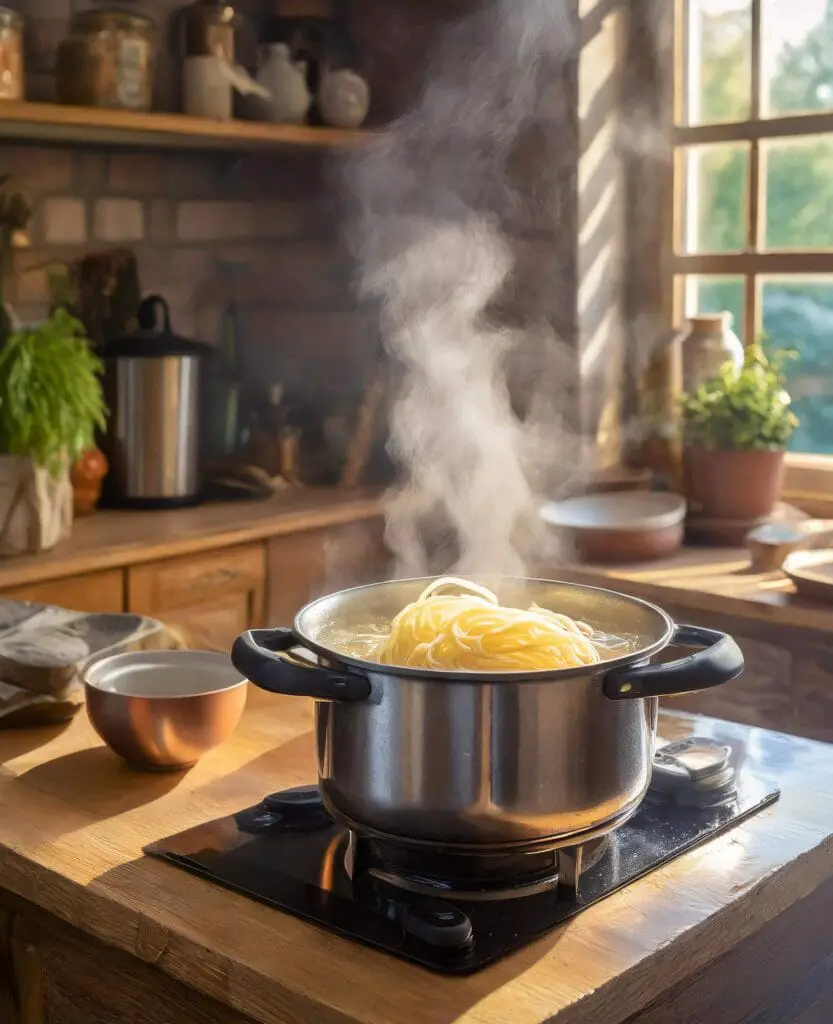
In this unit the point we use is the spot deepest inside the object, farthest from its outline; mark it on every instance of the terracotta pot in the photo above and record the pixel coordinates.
(87, 475)
(732, 484)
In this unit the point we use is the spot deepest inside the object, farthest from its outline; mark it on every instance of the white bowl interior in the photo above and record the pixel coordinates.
(163, 674)
(625, 510)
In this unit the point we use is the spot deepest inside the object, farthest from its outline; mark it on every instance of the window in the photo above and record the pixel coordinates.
(753, 141)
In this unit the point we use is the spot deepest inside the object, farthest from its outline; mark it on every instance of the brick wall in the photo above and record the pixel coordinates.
(183, 213)
(278, 214)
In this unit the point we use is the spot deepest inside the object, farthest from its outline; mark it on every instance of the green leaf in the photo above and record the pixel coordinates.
(51, 399)
(741, 409)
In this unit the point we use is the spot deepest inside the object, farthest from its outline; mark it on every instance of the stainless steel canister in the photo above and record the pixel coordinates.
(154, 385)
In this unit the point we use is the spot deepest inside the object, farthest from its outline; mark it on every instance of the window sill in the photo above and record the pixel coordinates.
(711, 581)
(808, 483)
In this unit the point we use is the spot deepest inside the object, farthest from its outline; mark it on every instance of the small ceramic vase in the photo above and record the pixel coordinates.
(707, 345)
(343, 98)
(86, 476)
(286, 81)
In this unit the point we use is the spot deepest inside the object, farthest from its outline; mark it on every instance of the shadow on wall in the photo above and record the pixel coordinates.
(601, 226)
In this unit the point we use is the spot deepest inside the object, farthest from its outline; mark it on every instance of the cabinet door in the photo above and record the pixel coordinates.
(60, 976)
(209, 598)
(306, 565)
(213, 626)
(92, 592)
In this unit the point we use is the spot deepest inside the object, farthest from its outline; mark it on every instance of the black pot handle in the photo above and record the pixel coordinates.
(719, 661)
(259, 655)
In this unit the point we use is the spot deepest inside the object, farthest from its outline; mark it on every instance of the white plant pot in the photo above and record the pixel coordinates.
(35, 506)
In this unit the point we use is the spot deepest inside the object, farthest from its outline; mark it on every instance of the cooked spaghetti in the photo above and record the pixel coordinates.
(470, 631)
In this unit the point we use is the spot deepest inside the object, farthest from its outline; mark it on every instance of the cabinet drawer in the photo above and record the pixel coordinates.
(157, 587)
(93, 592)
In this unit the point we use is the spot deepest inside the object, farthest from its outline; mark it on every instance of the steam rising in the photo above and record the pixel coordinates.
(432, 198)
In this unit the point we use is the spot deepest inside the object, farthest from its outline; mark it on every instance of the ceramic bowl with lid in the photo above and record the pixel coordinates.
(163, 709)
(627, 526)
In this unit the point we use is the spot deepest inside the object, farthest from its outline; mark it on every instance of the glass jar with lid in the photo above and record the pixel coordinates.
(11, 55)
(107, 60)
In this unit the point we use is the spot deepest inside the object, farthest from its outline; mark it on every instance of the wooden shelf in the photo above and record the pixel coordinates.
(53, 122)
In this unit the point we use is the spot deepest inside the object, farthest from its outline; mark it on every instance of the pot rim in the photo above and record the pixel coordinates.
(452, 675)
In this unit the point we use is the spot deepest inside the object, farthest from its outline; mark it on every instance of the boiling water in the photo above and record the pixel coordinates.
(361, 643)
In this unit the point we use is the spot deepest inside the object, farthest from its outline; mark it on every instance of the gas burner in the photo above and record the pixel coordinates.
(469, 876)
(447, 909)
(486, 876)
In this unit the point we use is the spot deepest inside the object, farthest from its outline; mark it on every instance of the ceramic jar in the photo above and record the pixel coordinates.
(86, 476)
(343, 98)
(708, 343)
(286, 81)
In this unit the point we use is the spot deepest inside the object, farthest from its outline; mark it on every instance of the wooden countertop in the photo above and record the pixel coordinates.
(713, 580)
(74, 821)
(109, 539)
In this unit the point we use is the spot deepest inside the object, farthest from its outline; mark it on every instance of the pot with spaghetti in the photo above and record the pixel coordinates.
(487, 714)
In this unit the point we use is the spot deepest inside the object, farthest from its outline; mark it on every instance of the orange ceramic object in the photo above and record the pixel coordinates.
(86, 476)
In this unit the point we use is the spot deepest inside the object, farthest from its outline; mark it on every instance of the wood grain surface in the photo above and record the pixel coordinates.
(109, 539)
(782, 975)
(54, 122)
(710, 580)
(73, 822)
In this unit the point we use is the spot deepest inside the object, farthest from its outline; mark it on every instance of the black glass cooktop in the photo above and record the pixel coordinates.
(445, 913)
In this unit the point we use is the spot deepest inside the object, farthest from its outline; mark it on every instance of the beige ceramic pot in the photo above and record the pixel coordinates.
(707, 344)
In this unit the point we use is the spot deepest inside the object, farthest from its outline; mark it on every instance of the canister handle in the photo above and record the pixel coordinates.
(718, 661)
(262, 656)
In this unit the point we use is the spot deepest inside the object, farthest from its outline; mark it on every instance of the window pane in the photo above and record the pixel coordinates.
(796, 44)
(715, 197)
(799, 192)
(718, 60)
(798, 313)
(713, 294)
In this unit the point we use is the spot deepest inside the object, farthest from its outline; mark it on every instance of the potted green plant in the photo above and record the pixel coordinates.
(51, 402)
(735, 429)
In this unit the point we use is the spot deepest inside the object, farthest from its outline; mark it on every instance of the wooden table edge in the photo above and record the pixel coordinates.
(630, 990)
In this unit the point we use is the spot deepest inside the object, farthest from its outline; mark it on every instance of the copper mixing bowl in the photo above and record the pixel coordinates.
(163, 709)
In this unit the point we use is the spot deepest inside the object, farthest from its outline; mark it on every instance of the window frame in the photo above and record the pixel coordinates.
(808, 477)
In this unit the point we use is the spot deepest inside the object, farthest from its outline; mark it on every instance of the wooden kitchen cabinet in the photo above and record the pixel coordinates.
(90, 592)
(302, 566)
(53, 974)
(209, 598)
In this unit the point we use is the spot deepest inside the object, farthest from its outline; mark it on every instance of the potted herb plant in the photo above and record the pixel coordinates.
(735, 429)
(51, 403)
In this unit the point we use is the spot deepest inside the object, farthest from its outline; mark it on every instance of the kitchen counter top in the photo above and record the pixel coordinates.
(74, 821)
(111, 539)
(711, 580)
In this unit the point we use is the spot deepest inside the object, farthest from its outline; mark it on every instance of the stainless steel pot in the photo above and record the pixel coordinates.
(483, 760)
